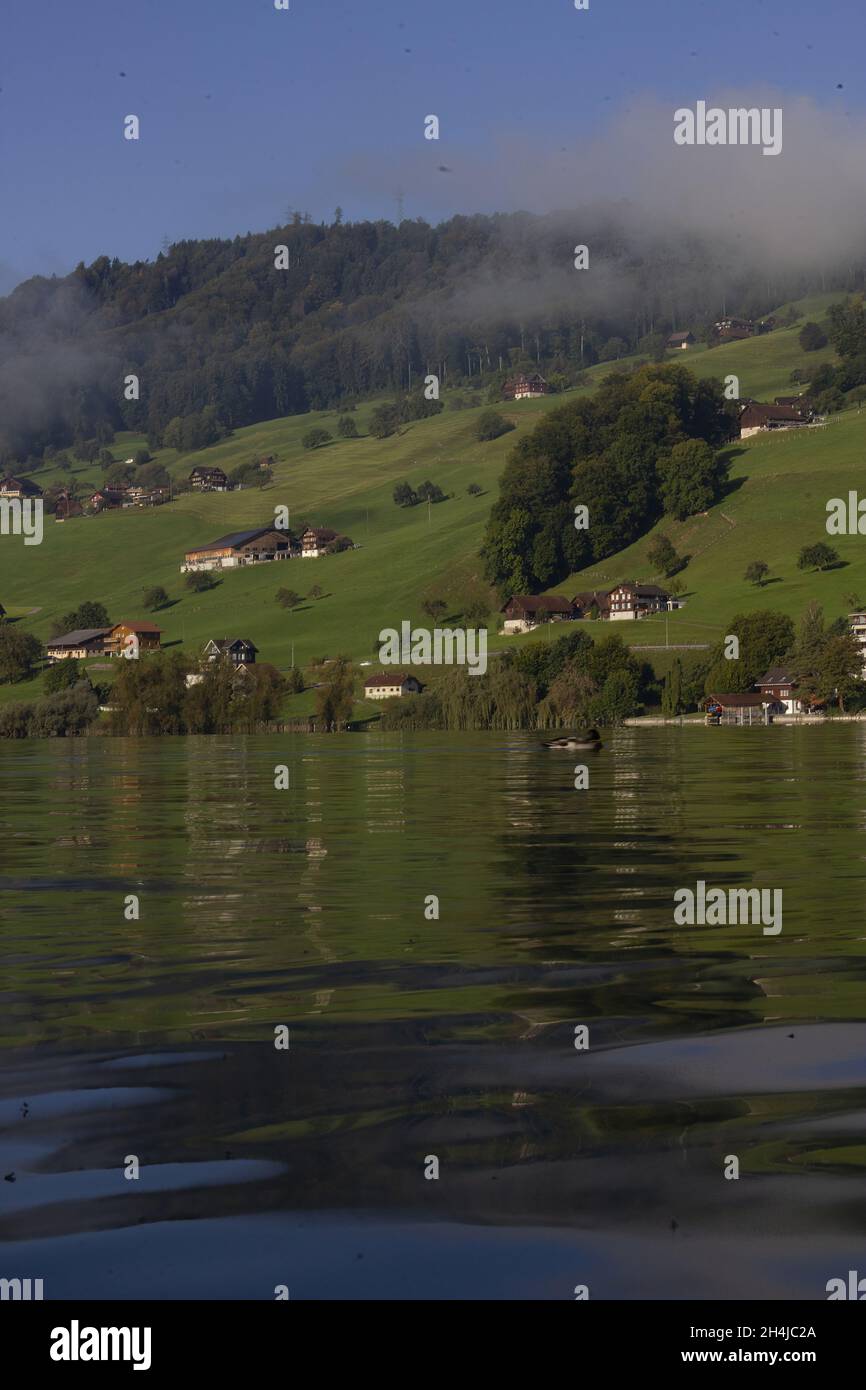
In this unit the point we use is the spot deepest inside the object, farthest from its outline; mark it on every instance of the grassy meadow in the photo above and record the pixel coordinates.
(778, 488)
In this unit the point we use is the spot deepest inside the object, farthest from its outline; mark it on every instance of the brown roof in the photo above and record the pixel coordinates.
(652, 589)
(390, 678)
(78, 638)
(591, 596)
(777, 675)
(136, 627)
(738, 701)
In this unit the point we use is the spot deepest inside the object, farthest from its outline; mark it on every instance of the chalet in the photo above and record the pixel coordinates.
(732, 330)
(597, 599)
(19, 488)
(240, 548)
(321, 540)
(741, 708)
(239, 650)
(129, 639)
(387, 685)
(779, 686)
(630, 600)
(523, 387)
(760, 416)
(680, 341)
(523, 612)
(209, 480)
(82, 643)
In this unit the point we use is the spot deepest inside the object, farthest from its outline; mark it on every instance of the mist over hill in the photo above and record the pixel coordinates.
(366, 308)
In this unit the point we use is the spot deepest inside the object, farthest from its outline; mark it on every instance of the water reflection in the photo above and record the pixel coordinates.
(451, 1036)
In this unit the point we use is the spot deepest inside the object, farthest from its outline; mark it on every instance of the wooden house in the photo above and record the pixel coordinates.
(631, 601)
(680, 341)
(778, 686)
(208, 480)
(19, 488)
(732, 330)
(321, 540)
(388, 685)
(130, 639)
(523, 612)
(525, 386)
(239, 650)
(758, 415)
(590, 600)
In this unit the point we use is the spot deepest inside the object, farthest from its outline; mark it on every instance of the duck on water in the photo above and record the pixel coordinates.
(580, 741)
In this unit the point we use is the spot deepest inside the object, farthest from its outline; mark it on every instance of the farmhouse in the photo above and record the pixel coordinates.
(239, 548)
(680, 341)
(584, 603)
(523, 612)
(82, 643)
(522, 387)
(759, 416)
(732, 329)
(19, 487)
(778, 687)
(129, 639)
(321, 540)
(209, 480)
(630, 600)
(239, 650)
(386, 685)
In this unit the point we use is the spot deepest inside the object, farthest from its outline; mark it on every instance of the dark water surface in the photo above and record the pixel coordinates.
(411, 1037)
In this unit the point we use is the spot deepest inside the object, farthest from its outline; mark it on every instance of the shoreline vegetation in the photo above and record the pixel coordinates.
(572, 682)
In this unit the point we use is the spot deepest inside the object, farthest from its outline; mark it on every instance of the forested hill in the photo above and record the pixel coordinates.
(360, 308)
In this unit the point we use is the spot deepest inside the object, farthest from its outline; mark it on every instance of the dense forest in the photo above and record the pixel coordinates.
(645, 445)
(307, 316)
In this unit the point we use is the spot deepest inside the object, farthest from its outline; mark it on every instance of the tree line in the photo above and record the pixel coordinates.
(646, 444)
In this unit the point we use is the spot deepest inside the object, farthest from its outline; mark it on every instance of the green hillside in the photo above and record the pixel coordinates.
(404, 553)
(779, 485)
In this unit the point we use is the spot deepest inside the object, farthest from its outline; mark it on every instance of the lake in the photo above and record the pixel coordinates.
(147, 1032)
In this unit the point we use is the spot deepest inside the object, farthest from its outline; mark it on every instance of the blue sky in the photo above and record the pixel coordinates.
(246, 111)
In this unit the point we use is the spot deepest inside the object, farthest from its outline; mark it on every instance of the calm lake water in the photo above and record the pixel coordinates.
(411, 1037)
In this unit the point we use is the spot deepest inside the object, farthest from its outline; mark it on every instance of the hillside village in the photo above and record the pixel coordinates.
(248, 549)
